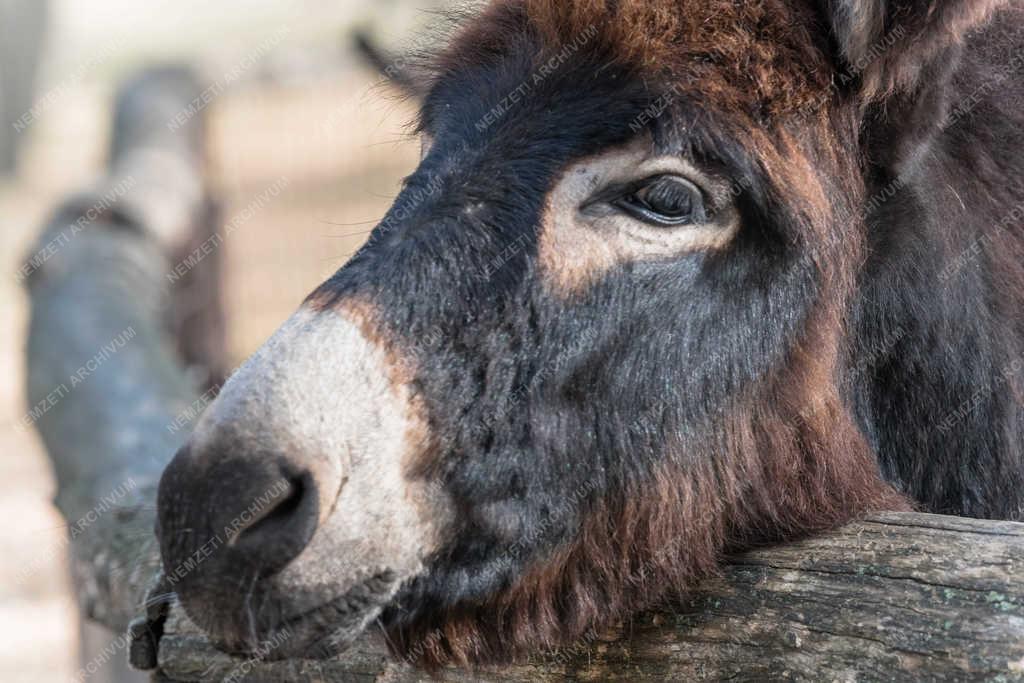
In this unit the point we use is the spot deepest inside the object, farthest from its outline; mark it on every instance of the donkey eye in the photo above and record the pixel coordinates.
(665, 201)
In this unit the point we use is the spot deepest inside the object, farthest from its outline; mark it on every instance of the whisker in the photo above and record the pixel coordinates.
(384, 633)
(393, 141)
(169, 598)
(250, 613)
(349, 225)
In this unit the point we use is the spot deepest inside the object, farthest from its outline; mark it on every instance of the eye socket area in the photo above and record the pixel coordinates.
(665, 200)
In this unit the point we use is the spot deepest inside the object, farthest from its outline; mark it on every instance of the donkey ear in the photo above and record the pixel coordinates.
(898, 58)
(890, 44)
(391, 67)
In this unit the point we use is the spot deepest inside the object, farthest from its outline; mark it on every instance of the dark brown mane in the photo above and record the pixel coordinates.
(756, 57)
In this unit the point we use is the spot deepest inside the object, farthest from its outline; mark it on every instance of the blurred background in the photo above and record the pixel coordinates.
(296, 111)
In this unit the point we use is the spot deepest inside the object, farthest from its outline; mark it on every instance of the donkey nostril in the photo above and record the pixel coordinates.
(276, 533)
(284, 510)
(263, 508)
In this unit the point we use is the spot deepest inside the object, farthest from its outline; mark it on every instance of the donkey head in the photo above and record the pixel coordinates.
(599, 340)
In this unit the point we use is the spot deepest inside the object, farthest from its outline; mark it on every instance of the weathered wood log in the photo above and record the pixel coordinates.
(898, 597)
(108, 382)
(104, 384)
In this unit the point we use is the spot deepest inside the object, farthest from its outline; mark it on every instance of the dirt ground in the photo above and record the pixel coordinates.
(323, 132)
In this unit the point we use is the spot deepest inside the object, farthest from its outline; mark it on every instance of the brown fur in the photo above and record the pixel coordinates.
(660, 538)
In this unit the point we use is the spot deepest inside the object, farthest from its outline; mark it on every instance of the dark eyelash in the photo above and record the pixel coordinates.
(630, 201)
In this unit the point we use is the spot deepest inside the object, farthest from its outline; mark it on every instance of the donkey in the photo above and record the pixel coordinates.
(673, 279)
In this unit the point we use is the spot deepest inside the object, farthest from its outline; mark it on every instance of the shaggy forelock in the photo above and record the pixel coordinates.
(757, 55)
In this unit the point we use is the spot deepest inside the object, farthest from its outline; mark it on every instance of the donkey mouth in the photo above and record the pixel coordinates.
(316, 633)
